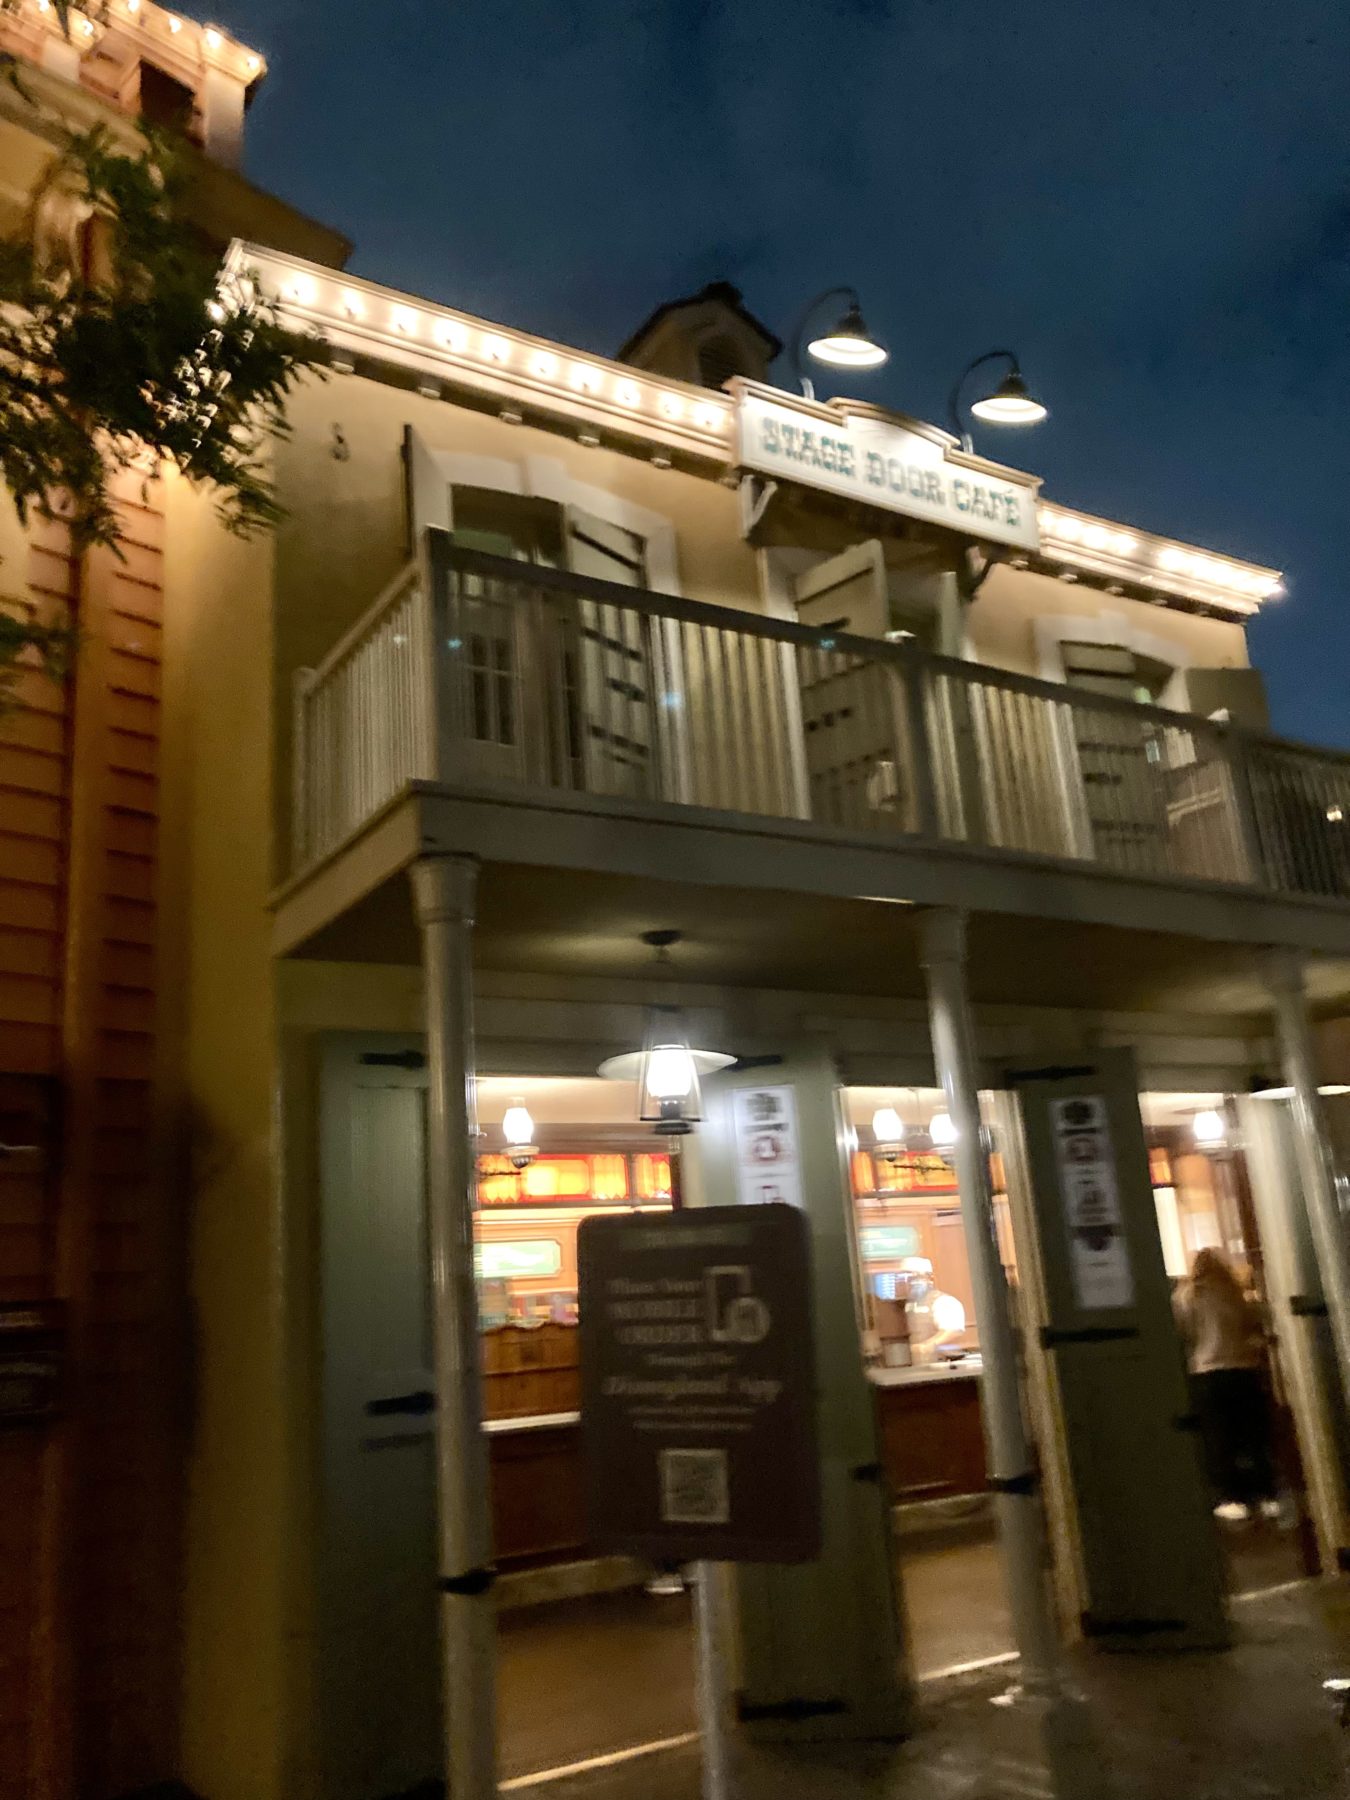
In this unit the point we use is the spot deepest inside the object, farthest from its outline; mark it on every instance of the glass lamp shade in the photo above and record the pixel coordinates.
(849, 344)
(518, 1131)
(1010, 403)
(942, 1131)
(888, 1128)
(669, 1095)
(1208, 1129)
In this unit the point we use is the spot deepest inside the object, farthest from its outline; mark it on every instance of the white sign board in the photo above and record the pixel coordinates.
(885, 465)
(1099, 1256)
(768, 1160)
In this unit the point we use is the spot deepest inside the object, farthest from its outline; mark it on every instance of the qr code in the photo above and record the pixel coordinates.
(694, 1487)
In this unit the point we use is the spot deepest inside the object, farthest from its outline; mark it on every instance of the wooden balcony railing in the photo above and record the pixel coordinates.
(483, 673)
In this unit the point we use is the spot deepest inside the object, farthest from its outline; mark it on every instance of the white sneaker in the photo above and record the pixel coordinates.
(1231, 1510)
(1271, 1509)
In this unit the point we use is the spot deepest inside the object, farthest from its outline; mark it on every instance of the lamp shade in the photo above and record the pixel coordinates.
(888, 1128)
(849, 344)
(668, 1073)
(518, 1134)
(1011, 403)
(1208, 1128)
(942, 1131)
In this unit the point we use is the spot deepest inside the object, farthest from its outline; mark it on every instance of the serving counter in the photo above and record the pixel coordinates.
(932, 1447)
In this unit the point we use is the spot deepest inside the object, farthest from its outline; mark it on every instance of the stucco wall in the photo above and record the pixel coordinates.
(1002, 624)
(217, 705)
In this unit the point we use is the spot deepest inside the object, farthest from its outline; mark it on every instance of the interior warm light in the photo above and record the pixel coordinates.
(670, 1072)
(849, 344)
(254, 63)
(175, 24)
(133, 6)
(496, 349)
(942, 1131)
(711, 418)
(353, 305)
(887, 1126)
(404, 320)
(627, 393)
(1208, 1128)
(545, 365)
(671, 405)
(518, 1132)
(212, 37)
(451, 336)
(588, 380)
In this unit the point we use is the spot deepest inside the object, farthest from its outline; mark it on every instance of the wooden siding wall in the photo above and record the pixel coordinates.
(89, 1509)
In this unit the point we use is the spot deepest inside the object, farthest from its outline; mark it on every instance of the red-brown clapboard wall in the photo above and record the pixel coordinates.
(90, 1506)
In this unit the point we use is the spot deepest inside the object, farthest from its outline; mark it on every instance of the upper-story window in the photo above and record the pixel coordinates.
(599, 686)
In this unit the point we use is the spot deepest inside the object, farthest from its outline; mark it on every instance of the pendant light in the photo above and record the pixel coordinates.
(1209, 1129)
(667, 1069)
(888, 1128)
(942, 1130)
(518, 1131)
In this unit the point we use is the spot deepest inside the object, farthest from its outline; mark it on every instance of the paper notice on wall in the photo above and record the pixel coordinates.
(1099, 1255)
(768, 1162)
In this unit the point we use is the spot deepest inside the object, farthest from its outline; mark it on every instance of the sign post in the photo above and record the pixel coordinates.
(698, 1403)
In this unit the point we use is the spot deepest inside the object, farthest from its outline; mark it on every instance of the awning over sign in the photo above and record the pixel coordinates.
(866, 454)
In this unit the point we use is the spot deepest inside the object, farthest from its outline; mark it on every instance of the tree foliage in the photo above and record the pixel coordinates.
(132, 352)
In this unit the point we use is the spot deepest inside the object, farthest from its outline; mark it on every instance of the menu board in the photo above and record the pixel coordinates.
(768, 1161)
(598, 1180)
(1099, 1256)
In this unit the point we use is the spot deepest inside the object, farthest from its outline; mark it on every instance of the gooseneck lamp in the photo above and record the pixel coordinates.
(846, 344)
(1010, 403)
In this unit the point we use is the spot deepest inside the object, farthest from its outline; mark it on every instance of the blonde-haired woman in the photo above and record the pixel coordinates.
(1225, 1353)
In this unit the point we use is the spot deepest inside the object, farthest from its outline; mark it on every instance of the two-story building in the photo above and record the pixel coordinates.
(554, 652)
(963, 806)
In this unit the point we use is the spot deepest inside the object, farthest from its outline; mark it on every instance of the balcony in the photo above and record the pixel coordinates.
(560, 703)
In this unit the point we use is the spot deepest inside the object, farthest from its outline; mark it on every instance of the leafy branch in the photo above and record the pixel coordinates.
(128, 351)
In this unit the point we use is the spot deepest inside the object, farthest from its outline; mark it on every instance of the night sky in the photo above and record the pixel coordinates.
(1150, 202)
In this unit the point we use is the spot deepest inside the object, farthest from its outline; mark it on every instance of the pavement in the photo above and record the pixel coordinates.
(1250, 1723)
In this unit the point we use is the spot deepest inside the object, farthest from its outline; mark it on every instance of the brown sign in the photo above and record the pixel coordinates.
(697, 1385)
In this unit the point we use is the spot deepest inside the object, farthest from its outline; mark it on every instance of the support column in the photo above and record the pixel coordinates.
(1012, 1471)
(443, 891)
(1298, 1054)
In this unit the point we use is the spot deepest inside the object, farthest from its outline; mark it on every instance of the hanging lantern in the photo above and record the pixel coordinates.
(518, 1131)
(667, 1070)
(669, 1096)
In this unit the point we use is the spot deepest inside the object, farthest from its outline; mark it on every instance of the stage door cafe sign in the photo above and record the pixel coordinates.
(698, 1385)
(885, 465)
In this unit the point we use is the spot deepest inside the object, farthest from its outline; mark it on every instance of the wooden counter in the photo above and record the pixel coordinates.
(932, 1439)
(932, 1448)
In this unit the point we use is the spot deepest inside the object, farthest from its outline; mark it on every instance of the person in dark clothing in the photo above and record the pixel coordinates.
(1221, 1330)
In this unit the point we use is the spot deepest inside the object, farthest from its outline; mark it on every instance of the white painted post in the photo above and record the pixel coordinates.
(1012, 1470)
(1284, 976)
(443, 891)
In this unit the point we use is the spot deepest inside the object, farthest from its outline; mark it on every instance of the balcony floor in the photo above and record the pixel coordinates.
(571, 897)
